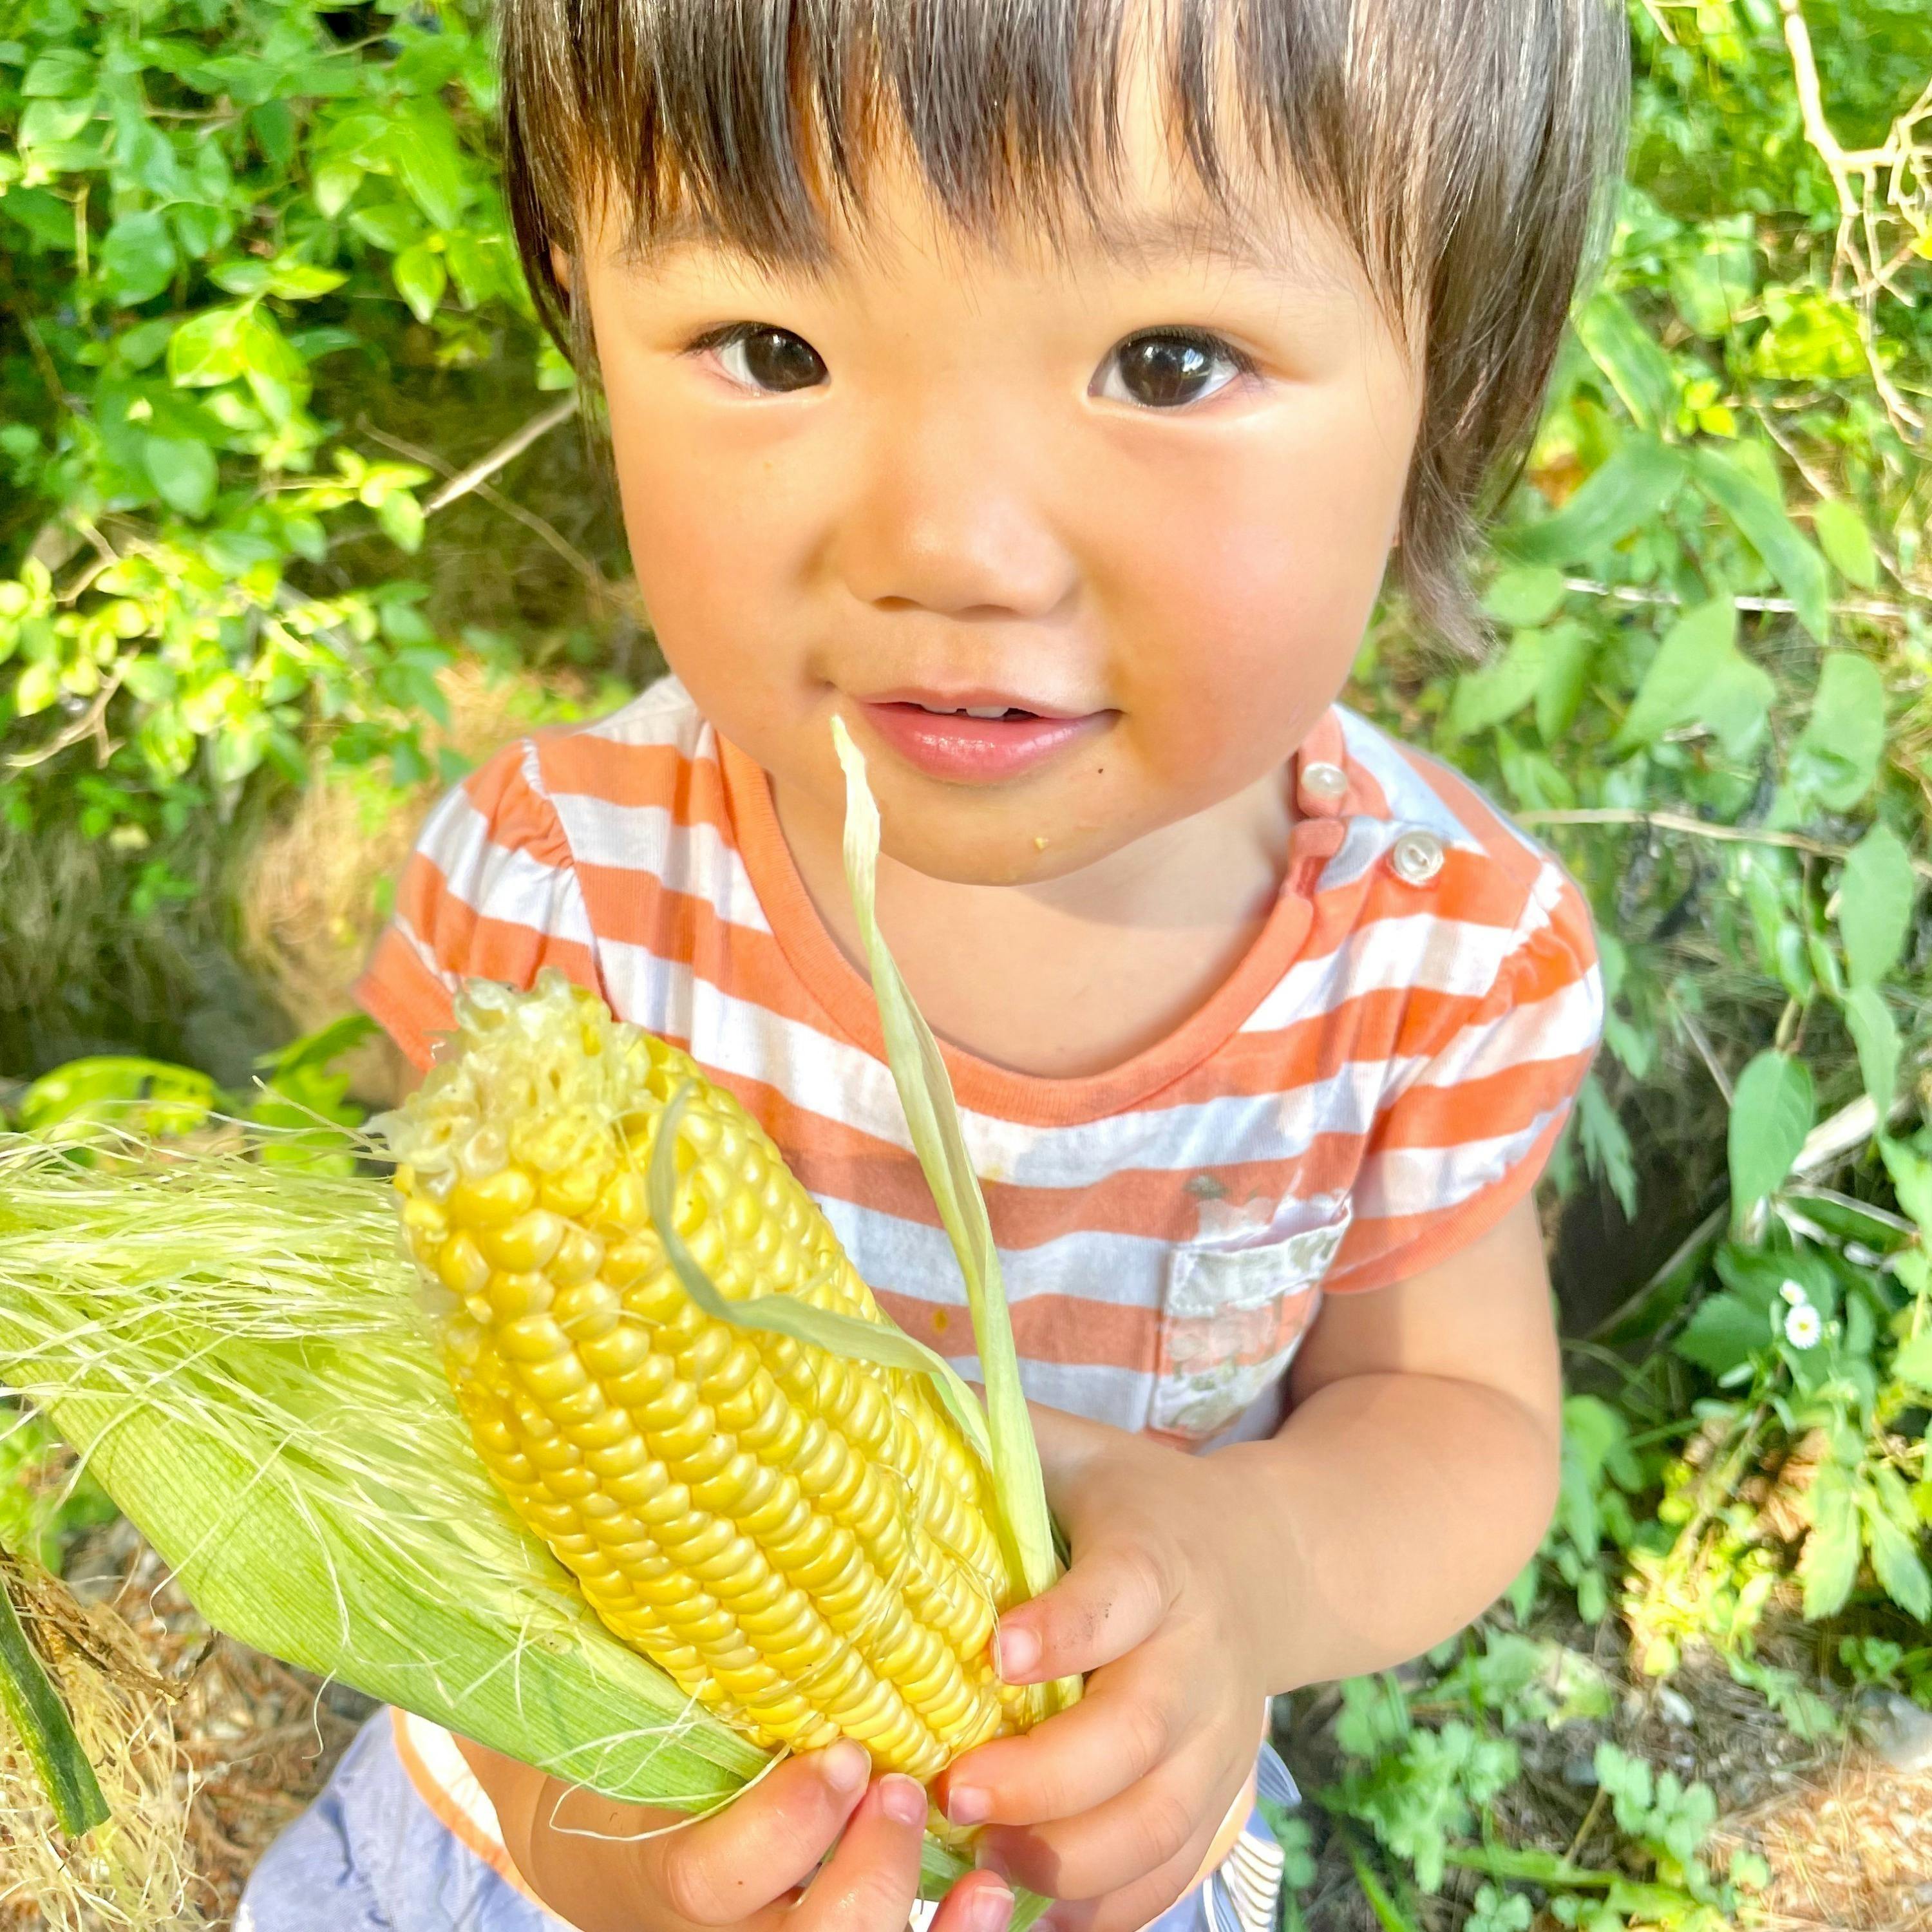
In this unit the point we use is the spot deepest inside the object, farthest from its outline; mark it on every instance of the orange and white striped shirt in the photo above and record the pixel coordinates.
(1383, 1074)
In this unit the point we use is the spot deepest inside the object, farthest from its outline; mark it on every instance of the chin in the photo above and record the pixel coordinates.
(991, 855)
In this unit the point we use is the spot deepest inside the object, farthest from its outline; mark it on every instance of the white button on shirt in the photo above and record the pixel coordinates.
(1416, 857)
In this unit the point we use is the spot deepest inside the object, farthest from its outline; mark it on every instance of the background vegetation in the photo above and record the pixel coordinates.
(295, 518)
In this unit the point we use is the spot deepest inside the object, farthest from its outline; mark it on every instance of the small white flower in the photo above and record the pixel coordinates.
(1802, 1327)
(1794, 1294)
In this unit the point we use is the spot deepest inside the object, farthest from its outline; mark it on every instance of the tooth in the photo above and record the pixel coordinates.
(987, 711)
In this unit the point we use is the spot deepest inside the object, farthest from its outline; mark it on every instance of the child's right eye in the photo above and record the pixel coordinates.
(758, 355)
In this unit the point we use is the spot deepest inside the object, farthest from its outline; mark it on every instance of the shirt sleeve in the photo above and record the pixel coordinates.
(1461, 1139)
(490, 892)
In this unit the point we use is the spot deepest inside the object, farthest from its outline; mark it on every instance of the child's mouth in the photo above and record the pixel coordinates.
(979, 742)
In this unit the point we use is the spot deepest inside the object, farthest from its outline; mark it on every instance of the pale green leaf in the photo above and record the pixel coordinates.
(1772, 1110)
(1836, 757)
(206, 348)
(1731, 481)
(421, 278)
(1637, 367)
(926, 1090)
(1631, 489)
(183, 470)
(1875, 1034)
(1846, 543)
(1895, 1560)
(1699, 676)
(1829, 1566)
(1524, 596)
(1876, 892)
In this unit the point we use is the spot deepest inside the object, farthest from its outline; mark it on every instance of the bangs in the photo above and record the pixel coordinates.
(1457, 147)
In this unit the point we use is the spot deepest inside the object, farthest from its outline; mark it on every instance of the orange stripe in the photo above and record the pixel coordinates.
(1065, 1329)
(1483, 1109)
(1378, 1250)
(608, 772)
(464, 941)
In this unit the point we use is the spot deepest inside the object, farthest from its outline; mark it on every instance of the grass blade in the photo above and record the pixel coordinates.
(29, 1702)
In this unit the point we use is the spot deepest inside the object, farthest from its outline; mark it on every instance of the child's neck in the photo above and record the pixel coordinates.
(1074, 975)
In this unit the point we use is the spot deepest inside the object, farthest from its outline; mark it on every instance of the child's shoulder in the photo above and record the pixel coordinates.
(1413, 791)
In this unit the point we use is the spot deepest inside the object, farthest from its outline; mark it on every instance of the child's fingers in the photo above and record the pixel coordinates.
(872, 1879)
(1113, 1597)
(1126, 1839)
(1134, 1905)
(725, 1867)
(1129, 1721)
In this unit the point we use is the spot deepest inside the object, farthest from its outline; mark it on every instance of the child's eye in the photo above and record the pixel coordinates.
(758, 355)
(1168, 368)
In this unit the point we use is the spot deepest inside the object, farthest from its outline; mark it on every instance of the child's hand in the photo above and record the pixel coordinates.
(742, 1868)
(1165, 1604)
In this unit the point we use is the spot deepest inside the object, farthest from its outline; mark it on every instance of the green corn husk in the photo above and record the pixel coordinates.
(236, 1348)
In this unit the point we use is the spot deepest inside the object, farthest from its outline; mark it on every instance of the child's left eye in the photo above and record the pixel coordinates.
(1168, 368)
(764, 359)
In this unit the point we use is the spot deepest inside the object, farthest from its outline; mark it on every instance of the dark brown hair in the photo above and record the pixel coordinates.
(1465, 149)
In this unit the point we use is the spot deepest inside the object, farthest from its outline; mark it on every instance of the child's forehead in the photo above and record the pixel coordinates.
(1151, 213)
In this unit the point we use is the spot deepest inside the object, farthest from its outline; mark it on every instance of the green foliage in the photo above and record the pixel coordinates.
(45, 1501)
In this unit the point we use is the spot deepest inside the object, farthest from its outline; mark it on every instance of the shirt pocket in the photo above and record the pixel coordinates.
(1232, 1314)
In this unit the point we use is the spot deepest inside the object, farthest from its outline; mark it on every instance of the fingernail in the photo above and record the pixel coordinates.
(902, 1800)
(966, 1806)
(1017, 1652)
(988, 1908)
(845, 1766)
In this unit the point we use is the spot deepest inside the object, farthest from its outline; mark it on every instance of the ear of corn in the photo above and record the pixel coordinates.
(800, 1534)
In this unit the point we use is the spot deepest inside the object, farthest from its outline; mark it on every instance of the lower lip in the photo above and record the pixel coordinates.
(970, 750)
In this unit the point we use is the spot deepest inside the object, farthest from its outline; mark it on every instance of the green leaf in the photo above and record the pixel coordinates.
(183, 470)
(1895, 1560)
(59, 73)
(390, 226)
(1486, 697)
(1731, 483)
(1569, 649)
(1836, 757)
(1912, 1364)
(932, 1115)
(1875, 1034)
(1632, 488)
(1526, 596)
(421, 148)
(206, 348)
(1876, 892)
(336, 182)
(1723, 1332)
(1636, 368)
(1911, 1174)
(1699, 676)
(1846, 543)
(36, 1715)
(137, 256)
(421, 278)
(1772, 1110)
(1829, 1566)
(401, 518)
(277, 376)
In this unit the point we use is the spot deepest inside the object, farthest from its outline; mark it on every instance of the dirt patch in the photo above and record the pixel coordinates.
(253, 1740)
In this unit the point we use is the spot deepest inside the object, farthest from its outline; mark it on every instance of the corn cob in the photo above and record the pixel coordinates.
(805, 1543)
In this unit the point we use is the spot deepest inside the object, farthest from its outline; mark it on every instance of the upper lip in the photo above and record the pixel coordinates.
(975, 697)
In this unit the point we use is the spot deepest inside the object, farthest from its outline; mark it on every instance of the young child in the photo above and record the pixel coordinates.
(1040, 386)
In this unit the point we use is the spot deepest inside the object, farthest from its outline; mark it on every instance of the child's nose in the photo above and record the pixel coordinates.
(955, 520)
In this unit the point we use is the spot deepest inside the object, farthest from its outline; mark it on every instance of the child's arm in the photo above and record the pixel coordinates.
(1411, 1483)
(742, 1868)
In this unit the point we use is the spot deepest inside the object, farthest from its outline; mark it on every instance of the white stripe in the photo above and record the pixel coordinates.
(1421, 951)
(841, 1081)
(501, 882)
(1568, 1022)
(1404, 1181)
(694, 859)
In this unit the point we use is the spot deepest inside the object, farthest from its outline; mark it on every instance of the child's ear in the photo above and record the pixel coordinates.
(560, 267)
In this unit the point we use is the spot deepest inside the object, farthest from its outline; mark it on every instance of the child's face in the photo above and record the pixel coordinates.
(1145, 498)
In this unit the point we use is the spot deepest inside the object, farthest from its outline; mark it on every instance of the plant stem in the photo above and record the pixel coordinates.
(30, 1704)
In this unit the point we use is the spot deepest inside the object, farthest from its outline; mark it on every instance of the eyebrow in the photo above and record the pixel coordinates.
(1147, 238)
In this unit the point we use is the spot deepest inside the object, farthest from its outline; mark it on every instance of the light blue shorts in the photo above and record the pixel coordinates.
(370, 1855)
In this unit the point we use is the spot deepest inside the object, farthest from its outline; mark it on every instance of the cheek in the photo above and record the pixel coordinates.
(1242, 585)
